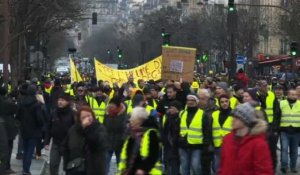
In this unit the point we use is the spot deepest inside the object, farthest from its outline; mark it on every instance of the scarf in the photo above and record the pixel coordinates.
(114, 112)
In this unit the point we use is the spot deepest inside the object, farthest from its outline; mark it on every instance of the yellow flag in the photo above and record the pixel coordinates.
(75, 75)
(148, 71)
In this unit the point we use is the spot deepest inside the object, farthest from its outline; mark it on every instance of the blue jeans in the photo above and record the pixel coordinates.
(28, 147)
(289, 146)
(190, 160)
(109, 156)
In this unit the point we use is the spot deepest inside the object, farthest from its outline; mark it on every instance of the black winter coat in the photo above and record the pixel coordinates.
(116, 131)
(7, 113)
(3, 147)
(89, 143)
(30, 114)
(60, 122)
(170, 136)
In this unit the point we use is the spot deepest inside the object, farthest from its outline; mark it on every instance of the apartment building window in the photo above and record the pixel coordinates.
(284, 3)
(283, 46)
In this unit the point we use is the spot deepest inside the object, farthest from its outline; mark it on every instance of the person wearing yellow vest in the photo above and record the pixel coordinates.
(155, 92)
(221, 126)
(238, 93)
(141, 151)
(98, 103)
(221, 89)
(208, 105)
(69, 90)
(194, 136)
(139, 101)
(298, 90)
(270, 105)
(47, 88)
(290, 131)
(250, 96)
(279, 93)
(115, 121)
(150, 101)
(170, 132)
(81, 98)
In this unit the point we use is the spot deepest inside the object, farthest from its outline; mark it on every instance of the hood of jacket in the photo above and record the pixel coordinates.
(260, 127)
(28, 100)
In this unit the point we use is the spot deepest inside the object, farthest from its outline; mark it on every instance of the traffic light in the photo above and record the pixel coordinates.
(94, 18)
(79, 36)
(167, 39)
(294, 49)
(120, 54)
(198, 58)
(231, 6)
(205, 58)
(163, 32)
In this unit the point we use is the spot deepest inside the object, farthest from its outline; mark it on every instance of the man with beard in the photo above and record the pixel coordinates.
(194, 136)
(290, 131)
(270, 105)
(221, 125)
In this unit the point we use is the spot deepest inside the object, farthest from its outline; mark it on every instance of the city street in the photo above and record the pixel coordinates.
(153, 80)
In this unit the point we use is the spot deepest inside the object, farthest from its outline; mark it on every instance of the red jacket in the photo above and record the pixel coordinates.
(248, 156)
(243, 78)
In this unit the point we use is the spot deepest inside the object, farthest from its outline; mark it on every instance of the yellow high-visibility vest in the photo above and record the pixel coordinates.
(154, 104)
(194, 131)
(269, 106)
(290, 116)
(9, 88)
(144, 153)
(111, 94)
(233, 102)
(69, 90)
(164, 120)
(48, 90)
(218, 131)
(99, 110)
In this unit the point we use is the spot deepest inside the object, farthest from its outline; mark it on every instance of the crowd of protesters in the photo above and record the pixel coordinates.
(203, 127)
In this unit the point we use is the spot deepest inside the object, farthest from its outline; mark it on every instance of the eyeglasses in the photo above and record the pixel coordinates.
(80, 90)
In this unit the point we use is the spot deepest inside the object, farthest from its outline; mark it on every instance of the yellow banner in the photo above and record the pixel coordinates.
(147, 71)
(75, 75)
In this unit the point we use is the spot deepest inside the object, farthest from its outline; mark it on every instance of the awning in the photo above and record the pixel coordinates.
(275, 59)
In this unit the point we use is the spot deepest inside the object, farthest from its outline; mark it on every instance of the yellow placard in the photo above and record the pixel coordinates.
(147, 71)
(75, 75)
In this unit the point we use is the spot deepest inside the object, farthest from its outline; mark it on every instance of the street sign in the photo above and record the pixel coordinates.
(241, 59)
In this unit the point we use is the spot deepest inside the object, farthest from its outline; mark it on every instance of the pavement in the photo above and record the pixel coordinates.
(37, 167)
(41, 167)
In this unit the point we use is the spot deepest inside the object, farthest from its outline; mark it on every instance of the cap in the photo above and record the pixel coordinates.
(223, 85)
(194, 96)
(65, 96)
